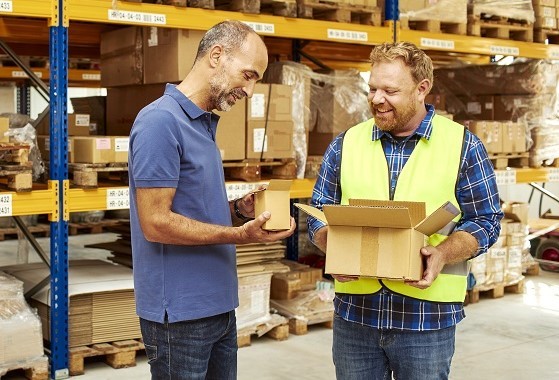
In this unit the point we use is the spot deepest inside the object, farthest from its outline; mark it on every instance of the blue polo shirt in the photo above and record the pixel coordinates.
(172, 145)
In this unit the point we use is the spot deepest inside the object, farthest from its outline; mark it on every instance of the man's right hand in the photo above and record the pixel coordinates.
(252, 232)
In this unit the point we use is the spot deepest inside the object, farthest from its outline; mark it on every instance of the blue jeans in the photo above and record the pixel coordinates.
(200, 349)
(362, 352)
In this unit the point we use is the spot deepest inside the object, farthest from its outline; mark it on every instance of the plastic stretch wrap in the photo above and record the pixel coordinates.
(455, 11)
(326, 103)
(21, 339)
(28, 135)
(254, 300)
(515, 9)
(525, 93)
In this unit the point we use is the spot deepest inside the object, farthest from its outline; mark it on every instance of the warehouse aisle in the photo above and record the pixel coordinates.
(512, 338)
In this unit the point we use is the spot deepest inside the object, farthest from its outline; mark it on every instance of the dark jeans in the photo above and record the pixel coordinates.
(200, 349)
(361, 352)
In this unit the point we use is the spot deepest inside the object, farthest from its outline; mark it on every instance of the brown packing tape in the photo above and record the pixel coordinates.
(369, 263)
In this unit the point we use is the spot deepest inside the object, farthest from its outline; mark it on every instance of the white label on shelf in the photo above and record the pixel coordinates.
(82, 119)
(137, 17)
(118, 198)
(91, 76)
(121, 144)
(260, 27)
(257, 105)
(553, 175)
(238, 189)
(552, 52)
(504, 50)
(6, 6)
(260, 140)
(5, 204)
(439, 44)
(505, 177)
(22, 74)
(349, 35)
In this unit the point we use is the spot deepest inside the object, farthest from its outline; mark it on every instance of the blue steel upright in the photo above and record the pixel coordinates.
(59, 173)
(392, 13)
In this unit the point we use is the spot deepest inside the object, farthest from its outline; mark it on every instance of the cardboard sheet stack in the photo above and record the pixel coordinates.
(101, 300)
(21, 341)
(518, 9)
(452, 11)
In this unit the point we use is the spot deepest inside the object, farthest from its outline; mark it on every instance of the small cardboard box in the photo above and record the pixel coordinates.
(78, 125)
(276, 200)
(379, 238)
(92, 150)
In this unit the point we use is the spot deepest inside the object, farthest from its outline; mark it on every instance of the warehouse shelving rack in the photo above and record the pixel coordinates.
(58, 200)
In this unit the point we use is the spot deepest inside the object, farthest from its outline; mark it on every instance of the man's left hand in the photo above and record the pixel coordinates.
(434, 263)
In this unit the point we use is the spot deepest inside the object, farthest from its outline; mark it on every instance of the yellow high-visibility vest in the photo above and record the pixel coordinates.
(430, 175)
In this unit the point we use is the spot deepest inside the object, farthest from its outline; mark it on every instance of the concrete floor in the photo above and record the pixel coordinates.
(514, 337)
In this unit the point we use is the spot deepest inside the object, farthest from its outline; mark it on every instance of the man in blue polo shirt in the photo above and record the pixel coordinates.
(183, 238)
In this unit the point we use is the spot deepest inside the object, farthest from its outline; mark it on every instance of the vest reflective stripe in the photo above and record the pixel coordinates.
(365, 175)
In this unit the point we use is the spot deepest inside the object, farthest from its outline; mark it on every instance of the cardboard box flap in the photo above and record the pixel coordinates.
(312, 211)
(279, 185)
(438, 219)
(416, 209)
(358, 216)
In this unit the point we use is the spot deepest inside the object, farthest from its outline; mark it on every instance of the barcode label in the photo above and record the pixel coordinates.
(91, 76)
(6, 6)
(438, 44)
(5, 204)
(260, 27)
(118, 198)
(553, 175)
(22, 74)
(505, 177)
(137, 17)
(349, 35)
(504, 50)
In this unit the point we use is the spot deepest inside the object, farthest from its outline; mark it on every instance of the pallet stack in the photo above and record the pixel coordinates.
(446, 16)
(501, 19)
(546, 25)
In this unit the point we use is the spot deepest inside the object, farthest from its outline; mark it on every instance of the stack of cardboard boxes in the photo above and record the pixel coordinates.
(546, 12)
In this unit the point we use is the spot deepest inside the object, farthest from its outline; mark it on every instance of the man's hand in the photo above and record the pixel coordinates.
(434, 263)
(252, 232)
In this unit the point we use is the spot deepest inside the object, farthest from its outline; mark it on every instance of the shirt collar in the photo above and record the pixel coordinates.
(186, 104)
(423, 130)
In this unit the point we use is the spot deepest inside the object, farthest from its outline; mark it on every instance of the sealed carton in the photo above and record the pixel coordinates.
(379, 238)
(275, 198)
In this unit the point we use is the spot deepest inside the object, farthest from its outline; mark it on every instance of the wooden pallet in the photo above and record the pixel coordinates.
(544, 164)
(532, 270)
(119, 354)
(40, 230)
(300, 326)
(278, 333)
(497, 29)
(87, 175)
(549, 35)
(253, 170)
(33, 369)
(434, 26)
(92, 227)
(332, 11)
(497, 291)
(512, 160)
(176, 3)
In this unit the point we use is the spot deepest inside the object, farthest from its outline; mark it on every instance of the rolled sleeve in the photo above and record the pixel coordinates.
(478, 196)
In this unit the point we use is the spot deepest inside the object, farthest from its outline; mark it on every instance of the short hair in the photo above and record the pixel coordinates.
(229, 34)
(420, 64)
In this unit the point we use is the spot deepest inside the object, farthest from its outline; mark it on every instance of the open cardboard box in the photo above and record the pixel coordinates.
(380, 239)
(275, 198)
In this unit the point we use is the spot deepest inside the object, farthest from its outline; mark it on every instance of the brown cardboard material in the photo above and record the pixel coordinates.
(275, 139)
(169, 53)
(379, 238)
(119, 146)
(231, 132)
(517, 211)
(489, 132)
(4, 126)
(274, 199)
(437, 100)
(318, 142)
(43, 143)
(279, 108)
(78, 125)
(92, 150)
(122, 61)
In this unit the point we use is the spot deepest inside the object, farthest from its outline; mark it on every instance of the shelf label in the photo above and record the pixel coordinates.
(22, 74)
(6, 6)
(504, 50)
(91, 76)
(5, 204)
(260, 27)
(349, 35)
(118, 198)
(553, 175)
(438, 44)
(505, 177)
(137, 17)
(238, 189)
(552, 52)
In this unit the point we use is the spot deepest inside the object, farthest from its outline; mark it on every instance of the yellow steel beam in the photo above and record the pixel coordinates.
(35, 202)
(89, 77)
(202, 19)
(89, 199)
(532, 175)
(27, 8)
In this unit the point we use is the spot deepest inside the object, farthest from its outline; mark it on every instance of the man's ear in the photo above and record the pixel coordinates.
(423, 88)
(216, 53)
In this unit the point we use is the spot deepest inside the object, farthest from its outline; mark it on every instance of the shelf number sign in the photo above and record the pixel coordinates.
(505, 177)
(6, 6)
(118, 198)
(553, 175)
(349, 35)
(5, 204)
(137, 17)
